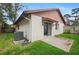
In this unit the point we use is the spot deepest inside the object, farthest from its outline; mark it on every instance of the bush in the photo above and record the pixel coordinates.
(67, 31)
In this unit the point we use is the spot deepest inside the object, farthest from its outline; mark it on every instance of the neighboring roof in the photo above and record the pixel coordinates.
(39, 10)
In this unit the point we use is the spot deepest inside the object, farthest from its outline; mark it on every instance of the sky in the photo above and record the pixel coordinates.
(65, 8)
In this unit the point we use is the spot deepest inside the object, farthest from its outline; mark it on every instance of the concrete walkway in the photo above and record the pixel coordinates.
(64, 44)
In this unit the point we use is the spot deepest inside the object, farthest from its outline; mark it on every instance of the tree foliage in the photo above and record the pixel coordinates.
(10, 11)
(67, 16)
(75, 15)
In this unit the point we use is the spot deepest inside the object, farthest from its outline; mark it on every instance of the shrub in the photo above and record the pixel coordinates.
(67, 31)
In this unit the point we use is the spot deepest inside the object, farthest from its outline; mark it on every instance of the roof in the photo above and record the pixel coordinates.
(38, 10)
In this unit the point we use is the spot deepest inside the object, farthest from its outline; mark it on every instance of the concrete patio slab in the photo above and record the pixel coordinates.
(64, 44)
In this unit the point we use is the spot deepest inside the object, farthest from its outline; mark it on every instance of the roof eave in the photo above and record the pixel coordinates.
(61, 17)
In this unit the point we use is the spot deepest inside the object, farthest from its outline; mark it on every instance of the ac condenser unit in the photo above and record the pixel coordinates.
(18, 36)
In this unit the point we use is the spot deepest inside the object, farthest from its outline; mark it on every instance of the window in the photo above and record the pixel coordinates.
(18, 27)
(56, 26)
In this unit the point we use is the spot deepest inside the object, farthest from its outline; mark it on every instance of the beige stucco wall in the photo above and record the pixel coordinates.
(59, 30)
(36, 27)
(55, 16)
(24, 26)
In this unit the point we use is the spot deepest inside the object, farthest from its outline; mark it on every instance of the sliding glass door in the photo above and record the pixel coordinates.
(47, 28)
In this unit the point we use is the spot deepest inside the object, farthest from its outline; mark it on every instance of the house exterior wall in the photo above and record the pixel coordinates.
(24, 26)
(36, 27)
(59, 30)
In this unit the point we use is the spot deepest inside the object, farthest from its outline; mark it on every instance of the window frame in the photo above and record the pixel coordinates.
(56, 26)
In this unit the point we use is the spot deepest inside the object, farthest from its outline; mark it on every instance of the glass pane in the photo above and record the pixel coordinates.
(47, 28)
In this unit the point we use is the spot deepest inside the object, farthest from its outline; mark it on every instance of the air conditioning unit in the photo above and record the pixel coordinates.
(18, 36)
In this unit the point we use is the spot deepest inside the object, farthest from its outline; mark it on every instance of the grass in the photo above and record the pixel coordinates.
(42, 48)
(75, 47)
(6, 45)
(5, 40)
(35, 48)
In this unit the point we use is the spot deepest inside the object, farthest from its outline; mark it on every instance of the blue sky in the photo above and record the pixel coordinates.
(64, 7)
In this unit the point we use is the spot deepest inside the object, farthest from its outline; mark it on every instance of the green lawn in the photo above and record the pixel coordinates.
(34, 48)
(42, 48)
(75, 47)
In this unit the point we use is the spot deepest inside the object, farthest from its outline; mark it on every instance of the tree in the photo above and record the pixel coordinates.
(67, 16)
(10, 11)
(75, 11)
(1, 19)
(75, 14)
(1, 15)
